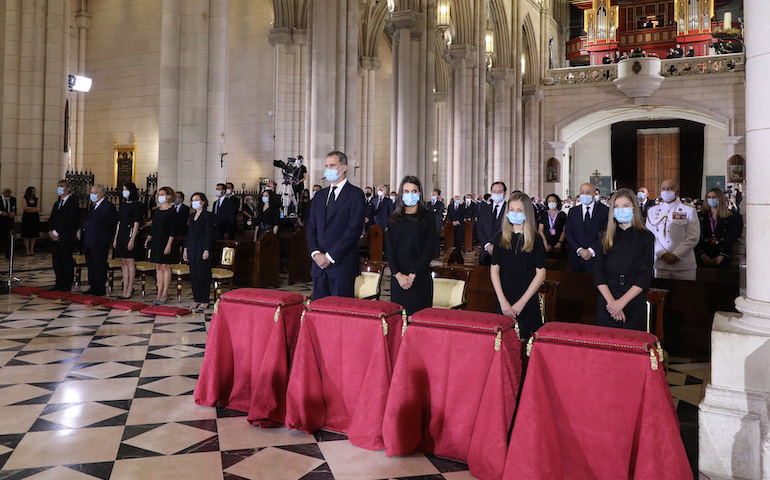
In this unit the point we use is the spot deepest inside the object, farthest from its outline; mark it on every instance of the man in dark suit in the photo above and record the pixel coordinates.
(63, 224)
(368, 208)
(436, 207)
(233, 207)
(7, 220)
(97, 234)
(455, 213)
(491, 221)
(645, 202)
(585, 223)
(221, 213)
(383, 207)
(181, 216)
(333, 228)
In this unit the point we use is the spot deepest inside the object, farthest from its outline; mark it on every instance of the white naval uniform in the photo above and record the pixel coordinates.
(677, 230)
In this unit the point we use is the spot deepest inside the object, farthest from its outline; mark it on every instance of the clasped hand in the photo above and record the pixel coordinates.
(321, 260)
(512, 311)
(615, 309)
(405, 281)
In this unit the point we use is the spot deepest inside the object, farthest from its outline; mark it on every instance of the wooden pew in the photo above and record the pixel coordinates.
(298, 258)
(449, 235)
(376, 239)
(468, 225)
(258, 263)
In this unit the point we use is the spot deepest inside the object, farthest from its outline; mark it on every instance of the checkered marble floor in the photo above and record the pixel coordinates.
(91, 394)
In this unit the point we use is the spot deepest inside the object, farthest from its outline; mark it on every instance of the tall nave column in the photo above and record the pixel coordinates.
(402, 156)
(734, 421)
(501, 80)
(532, 97)
(290, 61)
(462, 59)
(369, 65)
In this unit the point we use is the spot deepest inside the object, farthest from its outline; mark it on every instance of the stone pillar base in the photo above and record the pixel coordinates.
(733, 439)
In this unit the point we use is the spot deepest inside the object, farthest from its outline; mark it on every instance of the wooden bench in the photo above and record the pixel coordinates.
(258, 262)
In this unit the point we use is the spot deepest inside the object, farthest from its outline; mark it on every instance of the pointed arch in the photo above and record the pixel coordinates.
(503, 51)
(373, 16)
(529, 50)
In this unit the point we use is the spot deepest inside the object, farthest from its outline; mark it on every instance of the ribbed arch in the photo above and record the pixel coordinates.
(503, 51)
(373, 14)
(529, 49)
(463, 22)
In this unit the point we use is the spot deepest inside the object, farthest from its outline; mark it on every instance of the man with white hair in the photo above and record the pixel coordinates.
(97, 234)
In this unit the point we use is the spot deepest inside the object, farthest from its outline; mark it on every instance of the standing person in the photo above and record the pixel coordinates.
(298, 177)
(267, 218)
(161, 240)
(720, 229)
(645, 202)
(584, 227)
(233, 207)
(411, 242)
(333, 228)
(181, 215)
(303, 209)
(249, 213)
(383, 207)
(97, 234)
(455, 214)
(677, 230)
(368, 208)
(518, 265)
(623, 270)
(197, 250)
(63, 224)
(7, 219)
(437, 208)
(552, 222)
(125, 246)
(221, 214)
(30, 219)
(491, 221)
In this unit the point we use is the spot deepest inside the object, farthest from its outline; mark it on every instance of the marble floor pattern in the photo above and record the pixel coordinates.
(92, 394)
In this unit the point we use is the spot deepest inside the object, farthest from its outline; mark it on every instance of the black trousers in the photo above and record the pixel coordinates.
(63, 265)
(459, 236)
(325, 286)
(96, 260)
(5, 240)
(200, 279)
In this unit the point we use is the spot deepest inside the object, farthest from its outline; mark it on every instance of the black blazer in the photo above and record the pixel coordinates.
(179, 227)
(455, 214)
(7, 222)
(649, 203)
(200, 235)
(438, 211)
(382, 207)
(584, 234)
(99, 225)
(335, 229)
(369, 212)
(65, 220)
(488, 226)
(221, 216)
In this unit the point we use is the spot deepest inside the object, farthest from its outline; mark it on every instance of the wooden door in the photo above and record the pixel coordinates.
(657, 158)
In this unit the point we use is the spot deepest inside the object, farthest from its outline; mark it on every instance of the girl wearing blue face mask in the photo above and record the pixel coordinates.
(719, 230)
(125, 245)
(410, 243)
(201, 234)
(624, 260)
(518, 265)
(161, 241)
(268, 216)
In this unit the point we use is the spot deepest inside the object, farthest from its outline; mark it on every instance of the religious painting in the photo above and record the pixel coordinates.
(552, 170)
(736, 167)
(125, 164)
(715, 181)
(603, 183)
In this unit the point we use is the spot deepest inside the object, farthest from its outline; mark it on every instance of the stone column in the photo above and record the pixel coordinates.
(82, 21)
(734, 422)
(442, 140)
(532, 99)
(462, 59)
(369, 65)
(289, 109)
(730, 142)
(501, 80)
(405, 98)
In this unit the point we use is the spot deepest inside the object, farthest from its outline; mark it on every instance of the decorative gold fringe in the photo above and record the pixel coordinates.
(277, 314)
(302, 317)
(661, 353)
(216, 305)
(518, 332)
(499, 340)
(529, 346)
(403, 326)
(653, 359)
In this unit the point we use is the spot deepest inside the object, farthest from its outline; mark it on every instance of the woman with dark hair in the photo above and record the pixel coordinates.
(551, 225)
(719, 230)
(623, 269)
(30, 220)
(303, 208)
(268, 215)
(410, 243)
(161, 240)
(197, 250)
(124, 245)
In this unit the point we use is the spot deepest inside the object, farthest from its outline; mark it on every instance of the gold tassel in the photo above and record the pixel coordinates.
(518, 332)
(384, 326)
(661, 353)
(216, 305)
(653, 359)
(403, 326)
(277, 314)
(302, 317)
(498, 340)
(529, 346)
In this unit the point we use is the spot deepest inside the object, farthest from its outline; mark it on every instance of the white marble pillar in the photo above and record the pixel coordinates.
(369, 65)
(462, 59)
(404, 121)
(441, 139)
(501, 80)
(289, 109)
(734, 418)
(216, 96)
(78, 121)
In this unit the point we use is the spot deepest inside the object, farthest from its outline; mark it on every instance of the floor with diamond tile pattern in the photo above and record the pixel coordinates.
(91, 394)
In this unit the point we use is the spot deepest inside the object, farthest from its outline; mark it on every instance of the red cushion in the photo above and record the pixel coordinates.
(355, 307)
(261, 296)
(87, 299)
(591, 336)
(165, 311)
(126, 305)
(28, 291)
(462, 320)
(54, 295)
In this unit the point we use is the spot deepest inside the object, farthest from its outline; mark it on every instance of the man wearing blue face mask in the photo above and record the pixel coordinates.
(645, 202)
(455, 213)
(437, 207)
(583, 230)
(63, 223)
(490, 221)
(334, 225)
(97, 233)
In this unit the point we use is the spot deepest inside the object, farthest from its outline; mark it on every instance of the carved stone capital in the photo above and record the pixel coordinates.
(440, 97)
(299, 36)
(83, 19)
(279, 36)
(461, 55)
(734, 140)
(500, 77)
(371, 63)
(403, 19)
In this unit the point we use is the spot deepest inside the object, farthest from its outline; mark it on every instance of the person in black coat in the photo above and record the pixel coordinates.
(333, 228)
(719, 230)
(624, 265)
(585, 223)
(197, 250)
(125, 245)
(552, 222)
(7, 219)
(455, 213)
(490, 221)
(645, 202)
(63, 225)
(383, 207)
(411, 242)
(221, 209)
(437, 208)
(368, 208)
(30, 219)
(233, 207)
(303, 208)
(268, 217)
(182, 214)
(97, 234)
(161, 241)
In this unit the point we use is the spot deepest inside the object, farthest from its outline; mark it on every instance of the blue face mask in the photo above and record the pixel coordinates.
(332, 174)
(497, 197)
(457, 203)
(642, 196)
(586, 199)
(59, 190)
(410, 199)
(196, 204)
(623, 215)
(516, 218)
(433, 198)
(265, 199)
(713, 202)
(93, 197)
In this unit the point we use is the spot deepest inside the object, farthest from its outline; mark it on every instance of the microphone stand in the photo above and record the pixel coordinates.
(11, 278)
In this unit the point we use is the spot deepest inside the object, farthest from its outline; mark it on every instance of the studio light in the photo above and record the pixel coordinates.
(79, 83)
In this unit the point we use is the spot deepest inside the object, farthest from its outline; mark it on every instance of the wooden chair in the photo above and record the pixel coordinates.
(656, 301)
(453, 256)
(113, 264)
(224, 270)
(468, 226)
(181, 269)
(259, 262)
(369, 282)
(80, 262)
(376, 239)
(449, 286)
(546, 296)
(145, 267)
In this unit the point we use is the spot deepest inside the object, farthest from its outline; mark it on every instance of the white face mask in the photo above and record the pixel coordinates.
(229, 192)
(161, 199)
(393, 198)
(380, 193)
(196, 204)
(126, 194)
(552, 205)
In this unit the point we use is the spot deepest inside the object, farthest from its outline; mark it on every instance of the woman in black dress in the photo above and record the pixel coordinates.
(623, 269)
(197, 250)
(551, 227)
(518, 265)
(124, 245)
(303, 208)
(161, 239)
(267, 218)
(410, 242)
(719, 230)
(30, 219)
(248, 211)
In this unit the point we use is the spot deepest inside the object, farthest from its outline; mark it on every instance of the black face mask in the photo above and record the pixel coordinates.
(306, 198)
(368, 195)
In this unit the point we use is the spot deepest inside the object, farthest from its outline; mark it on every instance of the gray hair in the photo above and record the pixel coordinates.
(100, 188)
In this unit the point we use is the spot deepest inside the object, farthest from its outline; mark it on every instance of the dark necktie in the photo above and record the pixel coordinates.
(587, 217)
(332, 197)
(497, 211)
(61, 204)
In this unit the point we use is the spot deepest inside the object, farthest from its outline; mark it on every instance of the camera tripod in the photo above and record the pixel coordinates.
(286, 193)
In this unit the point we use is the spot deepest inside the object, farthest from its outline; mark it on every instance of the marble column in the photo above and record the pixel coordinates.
(289, 107)
(402, 156)
(369, 65)
(501, 80)
(462, 59)
(82, 21)
(532, 99)
(734, 418)
(441, 139)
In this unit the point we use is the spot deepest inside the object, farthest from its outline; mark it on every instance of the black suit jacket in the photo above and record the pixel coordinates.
(383, 207)
(222, 216)
(99, 225)
(438, 212)
(200, 235)
(5, 221)
(582, 234)
(646, 206)
(65, 220)
(488, 225)
(369, 211)
(455, 214)
(179, 229)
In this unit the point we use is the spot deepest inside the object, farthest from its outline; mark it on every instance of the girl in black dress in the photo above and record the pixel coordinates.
(518, 265)
(623, 269)
(161, 239)
(410, 242)
(551, 227)
(197, 250)
(124, 246)
(719, 230)
(30, 220)
(267, 217)
(303, 208)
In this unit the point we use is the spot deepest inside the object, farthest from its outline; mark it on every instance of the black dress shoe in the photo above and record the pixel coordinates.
(55, 288)
(88, 292)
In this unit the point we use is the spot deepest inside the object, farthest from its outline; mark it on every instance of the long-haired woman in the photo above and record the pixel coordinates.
(161, 240)
(623, 269)
(30, 219)
(518, 265)
(410, 242)
(552, 222)
(124, 246)
(719, 230)
(201, 233)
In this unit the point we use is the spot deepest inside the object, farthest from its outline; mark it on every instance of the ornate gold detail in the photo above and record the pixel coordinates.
(403, 326)
(302, 317)
(498, 340)
(529, 346)
(653, 359)
(384, 326)
(216, 305)
(228, 255)
(277, 314)
(661, 353)
(518, 331)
